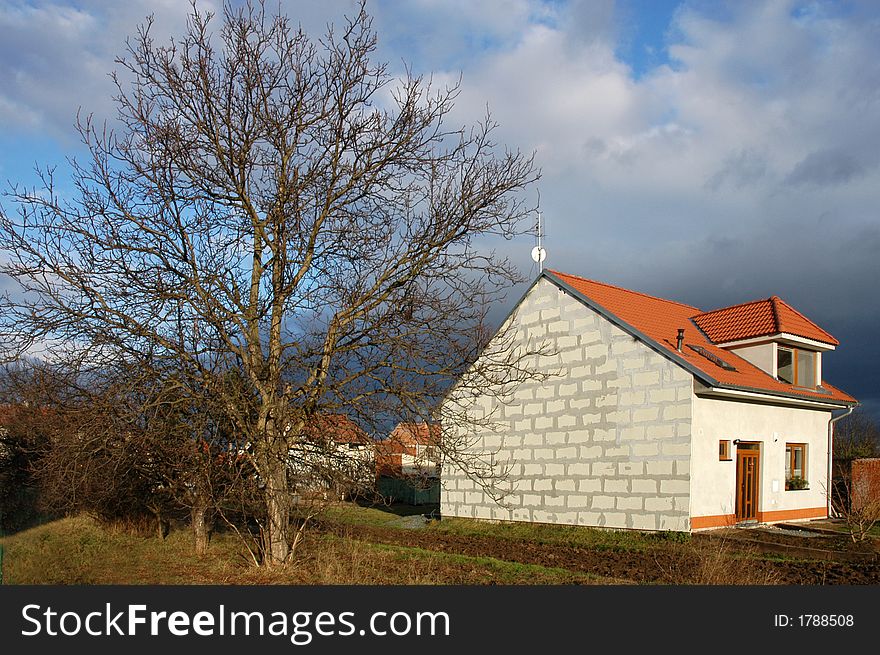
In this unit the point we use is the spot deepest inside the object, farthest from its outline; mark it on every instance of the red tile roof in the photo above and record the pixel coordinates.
(759, 318)
(420, 433)
(659, 320)
(404, 440)
(337, 427)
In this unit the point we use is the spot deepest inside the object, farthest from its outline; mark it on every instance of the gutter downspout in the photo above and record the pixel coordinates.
(831, 423)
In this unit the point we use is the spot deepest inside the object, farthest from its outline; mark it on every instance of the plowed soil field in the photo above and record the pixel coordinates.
(725, 557)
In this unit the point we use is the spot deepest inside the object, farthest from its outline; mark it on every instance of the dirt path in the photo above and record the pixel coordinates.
(665, 564)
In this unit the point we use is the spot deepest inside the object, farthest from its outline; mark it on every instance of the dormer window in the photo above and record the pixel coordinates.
(796, 366)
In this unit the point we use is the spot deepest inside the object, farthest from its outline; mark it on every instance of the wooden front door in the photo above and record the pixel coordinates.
(747, 478)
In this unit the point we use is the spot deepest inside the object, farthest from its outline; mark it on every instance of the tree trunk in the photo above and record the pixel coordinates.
(163, 527)
(272, 462)
(277, 543)
(200, 524)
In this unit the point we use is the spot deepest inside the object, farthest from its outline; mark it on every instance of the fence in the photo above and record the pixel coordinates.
(417, 491)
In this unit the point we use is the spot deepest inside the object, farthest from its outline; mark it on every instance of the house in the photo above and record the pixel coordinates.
(408, 463)
(336, 454)
(410, 449)
(656, 415)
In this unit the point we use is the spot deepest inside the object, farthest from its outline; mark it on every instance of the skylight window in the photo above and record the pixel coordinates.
(712, 357)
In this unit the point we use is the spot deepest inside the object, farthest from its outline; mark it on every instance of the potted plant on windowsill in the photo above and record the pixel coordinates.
(796, 484)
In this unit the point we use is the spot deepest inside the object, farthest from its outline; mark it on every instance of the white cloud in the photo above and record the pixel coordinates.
(765, 117)
(746, 166)
(56, 56)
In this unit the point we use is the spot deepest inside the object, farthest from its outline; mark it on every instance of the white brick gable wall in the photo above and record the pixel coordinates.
(604, 442)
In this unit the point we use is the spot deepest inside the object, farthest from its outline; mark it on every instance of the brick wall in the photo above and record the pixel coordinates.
(865, 475)
(604, 442)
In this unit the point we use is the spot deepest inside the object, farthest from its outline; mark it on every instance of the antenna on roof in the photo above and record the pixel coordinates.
(538, 252)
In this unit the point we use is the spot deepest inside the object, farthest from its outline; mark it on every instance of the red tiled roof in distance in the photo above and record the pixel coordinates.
(336, 427)
(403, 440)
(28, 417)
(660, 320)
(759, 318)
(415, 433)
(407, 435)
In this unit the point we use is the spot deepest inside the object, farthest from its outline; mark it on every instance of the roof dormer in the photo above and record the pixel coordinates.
(771, 317)
(773, 336)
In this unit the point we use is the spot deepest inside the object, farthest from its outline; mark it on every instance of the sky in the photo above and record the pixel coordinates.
(707, 152)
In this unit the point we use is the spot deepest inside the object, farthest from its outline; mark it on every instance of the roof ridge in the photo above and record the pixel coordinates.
(773, 301)
(742, 304)
(806, 318)
(619, 288)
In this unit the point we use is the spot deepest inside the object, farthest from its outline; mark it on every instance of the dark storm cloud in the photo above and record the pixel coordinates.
(826, 167)
(741, 169)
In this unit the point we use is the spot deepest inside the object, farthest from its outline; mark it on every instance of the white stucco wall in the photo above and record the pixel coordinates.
(762, 355)
(713, 482)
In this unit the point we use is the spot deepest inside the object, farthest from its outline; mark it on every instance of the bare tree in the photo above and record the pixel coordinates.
(308, 220)
(188, 449)
(121, 447)
(855, 436)
(76, 460)
(28, 420)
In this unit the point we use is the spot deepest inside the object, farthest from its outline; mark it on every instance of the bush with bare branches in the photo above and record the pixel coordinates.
(857, 501)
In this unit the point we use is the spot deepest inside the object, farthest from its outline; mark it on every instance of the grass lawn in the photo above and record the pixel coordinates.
(842, 527)
(562, 535)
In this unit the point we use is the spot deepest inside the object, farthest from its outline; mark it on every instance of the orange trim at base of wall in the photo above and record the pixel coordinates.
(716, 521)
(728, 520)
(793, 514)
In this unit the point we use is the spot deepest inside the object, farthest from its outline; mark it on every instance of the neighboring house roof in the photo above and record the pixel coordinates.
(656, 322)
(415, 433)
(336, 427)
(404, 440)
(759, 318)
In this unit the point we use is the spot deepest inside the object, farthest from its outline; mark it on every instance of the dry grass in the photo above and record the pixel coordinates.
(82, 551)
(712, 561)
(339, 560)
(561, 535)
(716, 565)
